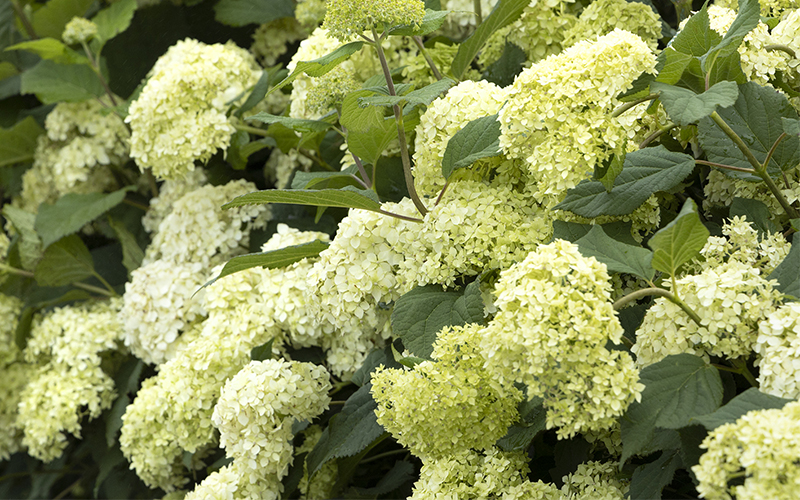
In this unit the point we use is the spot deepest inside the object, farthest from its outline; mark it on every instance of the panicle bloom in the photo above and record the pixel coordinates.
(199, 231)
(602, 16)
(75, 154)
(79, 30)
(448, 405)
(346, 19)
(762, 448)
(471, 474)
(169, 193)
(778, 349)
(553, 323)
(730, 299)
(271, 40)
(558, 116)
(722, 189)
(179, 117)
(594, 481)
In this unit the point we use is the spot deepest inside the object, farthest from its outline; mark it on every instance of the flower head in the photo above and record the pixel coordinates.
(79, 30)
(347, 18)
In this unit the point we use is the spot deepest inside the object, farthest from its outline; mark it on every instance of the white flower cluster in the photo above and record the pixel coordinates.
(602, 16)
(254, 416)
(180, 115)
(741, 242)
(558, 115)
(271, 40)
(280, 166)
(553, 323)
(75, 154)
(79, 30)
(15, 374)
(778, 349)
(170, 192)
(761, 448)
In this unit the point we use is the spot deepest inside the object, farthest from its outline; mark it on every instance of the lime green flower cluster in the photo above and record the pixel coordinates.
(346, 19)
(778, 358)
(603, 16)
(595, 481)
(15, 374)
(271, 40)
(741, 242)
(79, 30)
(553, 323)
(330, 90)
(446, 406)
(721, 189)
(769, 8)
(760, 448)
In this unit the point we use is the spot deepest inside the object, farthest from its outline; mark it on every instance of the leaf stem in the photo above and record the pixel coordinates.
(26, 23)
(105, 284)
(251, 130)
(726, 167)
(741, 366)
(366, 181)
(15, 160)
(655, 135)
(76, 284)
(781, 48)
(401, 217)
(383, 455)
(658, 292)
(427, 56)
(628, 105)
(441, 193)
(96, 68)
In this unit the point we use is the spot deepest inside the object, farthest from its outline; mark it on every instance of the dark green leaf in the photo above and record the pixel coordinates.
(51, 49)
(533, 420)
(349, 432)
(749, 400)
(504, 13)
(49, 21)
(423, 96)
(608, 174)
(319, 67)
(73, 211)
(347, 197)
(756, 118)
(30, 246)
(421, 313)
(478, 139)
(788, 273)
(618, 257)
(791, 126)
(696, 38)
(112, 21)
(257, 145)
(757, 214)
(503, 71)
(17, 144)
(378, 357)
(263, 351)
(132, 254)
(111, 460)
(677, 388)
(53, 82)
(691, 438)
(243, 12)
(407, 361)
(679, 241)
(727, 68)
(239, 140)
(65, 261)
(646, 171)
(257, 94)
(297, 124)
(685, 107)
(401, 472)
(649, 479)
(323, 180)
(432, 21)
(270, 260)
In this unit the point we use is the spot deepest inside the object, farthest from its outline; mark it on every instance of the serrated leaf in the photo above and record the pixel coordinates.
(478, 139)
(511, 62)
(419, 97)
(649, 479)
(65, 261)
(18, 143)
(747, 18)
(611, 171)
(244, 12)
(504, 13)
(320, 66)
(684, 107)
(432, 21)
(646, 171)
(679, 241)
(132, 254)
(757, 214)
(677, 388)
(112, 21)
(73, 211)
(788, 273)
(52, 50)
(696, 38)
(421, 313)
(53, 82)
(273, 259)
(756, 117)
(618, 257)
(347, 197)
(297, 124)
(263, 351)
(749, 400)
(30, 246)
(49, 21)
(349, 432)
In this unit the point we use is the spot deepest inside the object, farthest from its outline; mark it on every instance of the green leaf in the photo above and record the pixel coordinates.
(747, 18)
(533, 420)
(407, 361)
(504, 13)
(18, 143)
(478, 139)
(609, 173)
(791, 126)
(347, 197)
(756, 117)
(297, 124)
(273, 259)
(511, 62)
(757, 214)
(324, 180)
(263, 351)
(646, 171)
(432, 21)
(679, 241)
(257, 94)
(132, 254)
(112, 21)
(53, 82)
(369, 132)
(685, 107)
(421, 313)
(788, 273)
(65, 261)
(73, 211)
(30, 246)
(749, 400)
(618, 257)
(49, 21)
(696, 38)
(378, 357)
(244, 12)
(51, 49)
(349, 432)
(649, 479)
(239, 140)
(677, 388)
(423, 96)
(401, 472)
(319, 67)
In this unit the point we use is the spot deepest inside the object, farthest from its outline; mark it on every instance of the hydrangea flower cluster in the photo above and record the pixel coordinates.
(15, 374)
(331, 90)
(761, 447)
(346, 19)
(79, 30)
(75, 154)
(721, 189)
(271, 40)
(180, 115)
(603, 16)
(254, 415)
(280, 166)
(558, 116)
(170, 192)
(553, 323)
(741, 242)
(778, 349)
(310, 13)
(446, 406)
